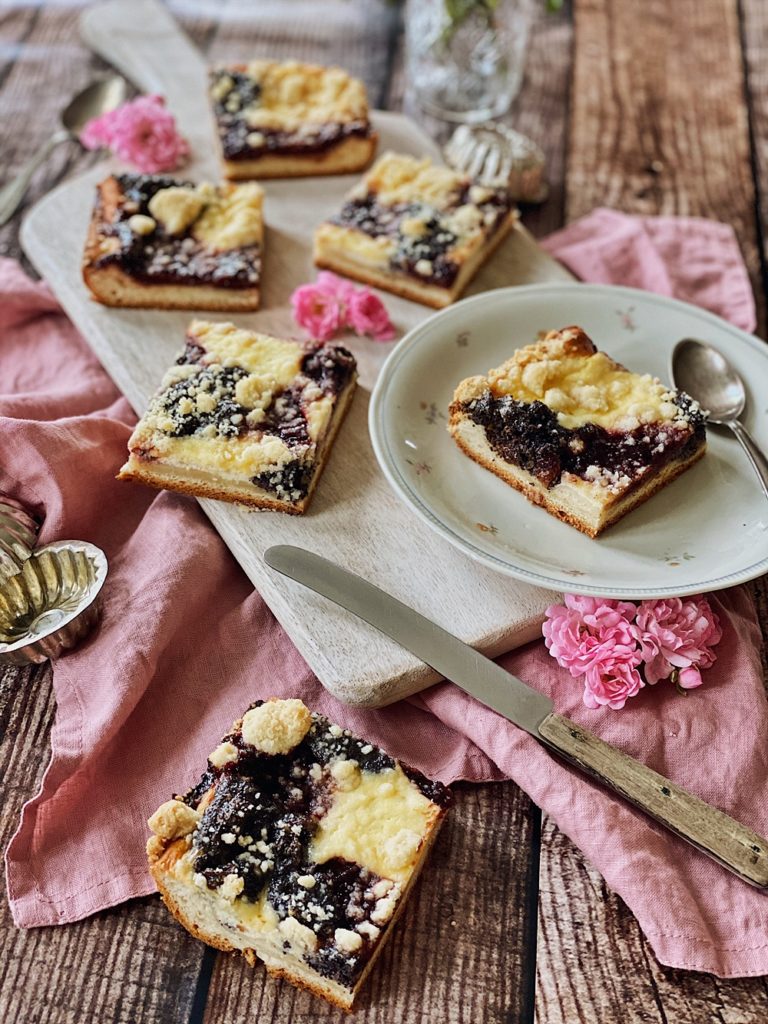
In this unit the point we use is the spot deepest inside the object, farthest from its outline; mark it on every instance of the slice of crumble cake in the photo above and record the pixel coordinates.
(286, 119)
(298, 847)
(157, 243)
(575, 431)
(416, 229)
(243, 417)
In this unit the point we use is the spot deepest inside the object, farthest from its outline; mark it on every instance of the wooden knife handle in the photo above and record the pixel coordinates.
(722, 838)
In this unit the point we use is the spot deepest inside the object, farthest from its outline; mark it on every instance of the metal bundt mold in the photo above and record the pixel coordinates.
(52, 602)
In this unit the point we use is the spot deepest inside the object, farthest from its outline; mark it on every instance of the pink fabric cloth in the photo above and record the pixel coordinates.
(185, 645)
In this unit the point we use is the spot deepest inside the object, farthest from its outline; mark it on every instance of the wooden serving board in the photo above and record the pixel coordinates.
(354, 519)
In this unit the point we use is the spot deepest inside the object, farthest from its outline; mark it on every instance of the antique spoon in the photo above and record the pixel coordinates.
(706, 375)
(97, 98)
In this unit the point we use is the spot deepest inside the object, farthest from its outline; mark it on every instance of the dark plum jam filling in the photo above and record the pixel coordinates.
(160, 258)
(426, 256)
(237, 136)
(529, 435)
(259, 827)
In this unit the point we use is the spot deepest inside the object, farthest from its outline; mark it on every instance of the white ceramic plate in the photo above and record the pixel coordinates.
(705, 531)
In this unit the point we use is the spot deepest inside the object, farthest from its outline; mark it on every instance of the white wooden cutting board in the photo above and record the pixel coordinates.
(354, 519)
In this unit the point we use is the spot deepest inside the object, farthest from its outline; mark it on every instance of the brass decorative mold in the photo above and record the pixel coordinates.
(18, 534)
(52, 602)
(495, 155)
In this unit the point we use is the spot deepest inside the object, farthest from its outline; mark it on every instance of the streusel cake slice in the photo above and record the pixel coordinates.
(158, 243)
(243, 417)
(416, 229)
(298, 847)
(287, 119)
(575, 431)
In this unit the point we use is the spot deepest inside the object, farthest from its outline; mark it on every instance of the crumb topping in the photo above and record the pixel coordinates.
(585, 386)
(286, 107)
(246, 405)
(173, 819)
(264, 838)
(277, 726)
(160, 230)
(416, 217)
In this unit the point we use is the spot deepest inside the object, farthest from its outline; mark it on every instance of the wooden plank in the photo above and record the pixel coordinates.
(754, 34)
(130, 965)
(657, 126)
(595, 965)
(658, 120)
(456, 955)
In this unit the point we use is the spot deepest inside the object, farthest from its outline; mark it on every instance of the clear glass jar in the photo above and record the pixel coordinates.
(465, 58)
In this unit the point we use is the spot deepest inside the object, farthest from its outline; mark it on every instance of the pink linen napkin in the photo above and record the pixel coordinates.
(185, 645)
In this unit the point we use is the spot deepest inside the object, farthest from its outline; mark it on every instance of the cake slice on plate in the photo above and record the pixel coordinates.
(575, 431)
(298, 847)
(416, 229)
(157, 243)
(287, 119)
(243, 417)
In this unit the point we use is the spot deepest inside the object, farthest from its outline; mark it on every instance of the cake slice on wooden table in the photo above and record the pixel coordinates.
(298, 847)
(575, 431)
(243, 417)
(416, 229)
(157, 243)
(287, 119)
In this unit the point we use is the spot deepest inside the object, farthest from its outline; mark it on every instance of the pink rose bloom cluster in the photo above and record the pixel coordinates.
(616, 647)
(142, 132)
(331, 304)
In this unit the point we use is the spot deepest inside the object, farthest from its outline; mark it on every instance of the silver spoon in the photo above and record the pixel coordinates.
(706, 375)
(97, 98)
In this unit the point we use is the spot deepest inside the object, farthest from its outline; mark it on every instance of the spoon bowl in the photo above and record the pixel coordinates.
(706, 375)
(97, 98)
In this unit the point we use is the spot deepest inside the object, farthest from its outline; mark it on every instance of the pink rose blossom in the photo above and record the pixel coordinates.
(332, 284)
(331, 303)
(613, 678)
(587, 631)
(317, 310)
(367, 315)
(678, 634)
(141, 132)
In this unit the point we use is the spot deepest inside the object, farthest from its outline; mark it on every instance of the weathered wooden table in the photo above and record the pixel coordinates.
(651, 107)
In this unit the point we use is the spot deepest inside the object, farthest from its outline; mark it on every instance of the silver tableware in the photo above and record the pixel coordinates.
(18, 534)
(96, 99)
(706, 375)
(52, 603)
(496, 155)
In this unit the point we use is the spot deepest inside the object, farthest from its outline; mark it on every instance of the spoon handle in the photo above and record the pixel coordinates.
(12, 193)
(755, 454)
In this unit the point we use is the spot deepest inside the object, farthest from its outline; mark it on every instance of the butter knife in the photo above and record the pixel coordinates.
(714, 833)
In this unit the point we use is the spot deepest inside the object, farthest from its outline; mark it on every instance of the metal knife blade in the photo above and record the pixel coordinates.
(439, 649)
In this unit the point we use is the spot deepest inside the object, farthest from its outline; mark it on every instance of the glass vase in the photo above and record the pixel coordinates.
(465, 58)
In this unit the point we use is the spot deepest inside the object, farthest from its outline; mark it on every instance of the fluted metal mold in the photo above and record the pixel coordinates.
(52, 603)
(18, 535)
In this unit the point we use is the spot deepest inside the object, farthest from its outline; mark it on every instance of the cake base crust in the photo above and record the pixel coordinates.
(111, 286)
(344, 157)
(181, 898)
(406, 286)
(202, 484)
(586, 506)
